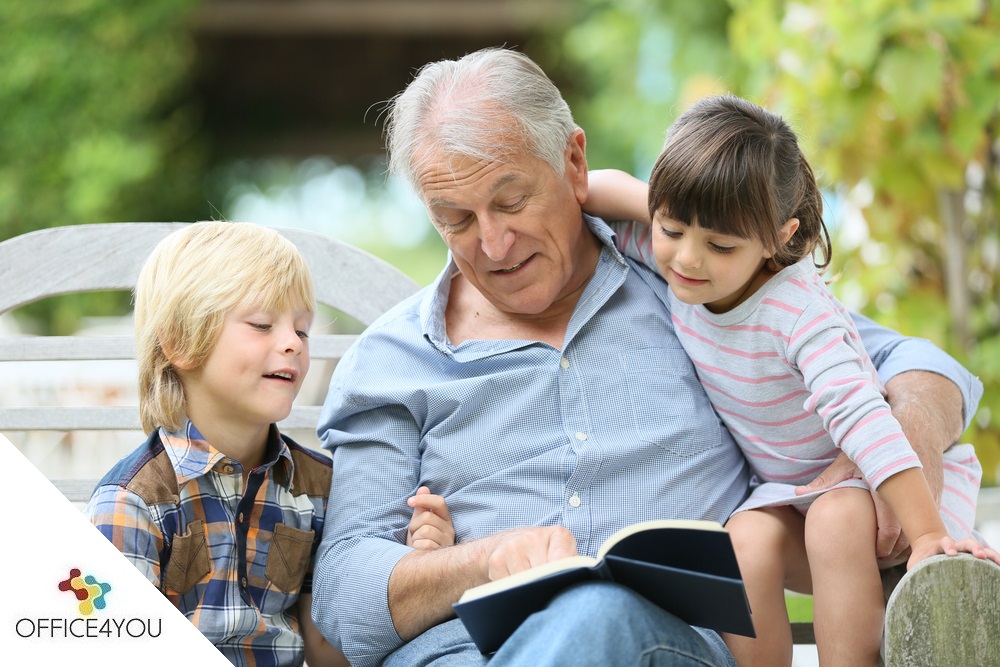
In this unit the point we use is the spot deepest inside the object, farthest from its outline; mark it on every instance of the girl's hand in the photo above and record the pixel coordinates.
(933, 544)
(430, 526)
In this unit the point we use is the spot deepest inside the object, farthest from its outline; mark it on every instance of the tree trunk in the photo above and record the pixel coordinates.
(952, 210)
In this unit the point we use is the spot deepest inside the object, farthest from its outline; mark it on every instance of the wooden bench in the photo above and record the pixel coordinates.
(91, 258)
(945, 612)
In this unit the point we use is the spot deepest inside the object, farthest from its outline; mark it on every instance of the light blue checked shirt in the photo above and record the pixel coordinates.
(611, 430)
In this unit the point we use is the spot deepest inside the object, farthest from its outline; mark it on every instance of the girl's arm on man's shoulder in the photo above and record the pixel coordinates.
(613, 194)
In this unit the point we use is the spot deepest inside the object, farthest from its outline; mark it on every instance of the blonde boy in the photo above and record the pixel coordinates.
(217, 508)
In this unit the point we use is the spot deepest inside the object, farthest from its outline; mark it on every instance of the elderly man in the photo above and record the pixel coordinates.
(538, 385)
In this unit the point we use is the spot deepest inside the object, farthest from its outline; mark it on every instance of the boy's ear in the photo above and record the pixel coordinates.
(788, 230)
(176, 360)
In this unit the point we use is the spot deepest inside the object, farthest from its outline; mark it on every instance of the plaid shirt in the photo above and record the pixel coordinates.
(232, 559)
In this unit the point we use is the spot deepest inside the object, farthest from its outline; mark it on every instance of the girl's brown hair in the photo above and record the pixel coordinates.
(734, 168)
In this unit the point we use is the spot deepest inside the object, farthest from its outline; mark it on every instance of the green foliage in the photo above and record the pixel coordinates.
(890, 97)
(633, 62)
(96, 127)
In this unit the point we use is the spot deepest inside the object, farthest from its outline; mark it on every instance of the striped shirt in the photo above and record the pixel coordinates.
(788, 374)
(232, 559)
(611, 429)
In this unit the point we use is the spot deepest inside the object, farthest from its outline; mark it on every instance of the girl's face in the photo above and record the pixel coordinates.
(702, 266)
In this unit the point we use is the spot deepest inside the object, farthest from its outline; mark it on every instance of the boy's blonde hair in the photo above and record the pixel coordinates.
(192, 280)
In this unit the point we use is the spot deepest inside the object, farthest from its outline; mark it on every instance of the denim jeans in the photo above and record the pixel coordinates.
(598, 623)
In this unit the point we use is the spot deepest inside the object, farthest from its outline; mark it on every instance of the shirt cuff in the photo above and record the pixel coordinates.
(918, 354)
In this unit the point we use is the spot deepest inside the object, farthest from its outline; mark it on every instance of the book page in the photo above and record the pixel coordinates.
(537, 572)
(657, 524)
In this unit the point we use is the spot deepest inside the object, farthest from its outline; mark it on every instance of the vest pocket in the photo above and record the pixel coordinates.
(288, 557)
(189, 561)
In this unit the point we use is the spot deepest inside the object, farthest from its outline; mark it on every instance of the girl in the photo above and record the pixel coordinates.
(736, 217)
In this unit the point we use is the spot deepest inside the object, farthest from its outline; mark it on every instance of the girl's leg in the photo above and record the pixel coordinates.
(769, 548)
(848, 606)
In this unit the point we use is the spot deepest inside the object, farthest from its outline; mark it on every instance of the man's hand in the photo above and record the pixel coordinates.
(425, 582)
(525, 548)
(841, 469)
(892, 547)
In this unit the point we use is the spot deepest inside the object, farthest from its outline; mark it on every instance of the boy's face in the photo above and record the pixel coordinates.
(255, 370)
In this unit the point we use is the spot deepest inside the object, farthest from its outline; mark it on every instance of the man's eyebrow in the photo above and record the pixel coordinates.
(494, 188)
(502, 181)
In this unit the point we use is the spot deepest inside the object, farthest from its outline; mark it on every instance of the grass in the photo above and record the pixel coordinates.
(800, 607)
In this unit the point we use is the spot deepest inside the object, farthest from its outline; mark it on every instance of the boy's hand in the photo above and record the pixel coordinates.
(430, 527)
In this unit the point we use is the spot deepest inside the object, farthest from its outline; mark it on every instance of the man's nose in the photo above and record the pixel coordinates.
(496, 237)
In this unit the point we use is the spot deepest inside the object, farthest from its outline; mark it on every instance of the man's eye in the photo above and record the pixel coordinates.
(455, 224)
(513, 206)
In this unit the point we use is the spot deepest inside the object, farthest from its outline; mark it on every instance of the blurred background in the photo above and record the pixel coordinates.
(269, 111)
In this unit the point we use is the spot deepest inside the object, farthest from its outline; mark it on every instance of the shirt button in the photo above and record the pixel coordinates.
(240, 517)
(574, 500)
(581, 436)
(228, 469)
(564, 362)
(243, 582)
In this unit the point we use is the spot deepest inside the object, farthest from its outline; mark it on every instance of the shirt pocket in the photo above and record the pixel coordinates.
(668, 404)
(288, 557)
(189, 560)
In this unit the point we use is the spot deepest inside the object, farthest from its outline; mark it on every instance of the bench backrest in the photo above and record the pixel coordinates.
(89, 258)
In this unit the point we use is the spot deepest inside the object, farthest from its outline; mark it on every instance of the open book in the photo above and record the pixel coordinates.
(686, 567)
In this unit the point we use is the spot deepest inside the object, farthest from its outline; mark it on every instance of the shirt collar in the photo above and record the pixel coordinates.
(435, 299)
(192, 456)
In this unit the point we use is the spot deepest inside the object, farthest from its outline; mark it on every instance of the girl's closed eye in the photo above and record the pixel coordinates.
(723, 250)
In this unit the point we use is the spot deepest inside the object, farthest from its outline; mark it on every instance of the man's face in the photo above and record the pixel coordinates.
(515, 228)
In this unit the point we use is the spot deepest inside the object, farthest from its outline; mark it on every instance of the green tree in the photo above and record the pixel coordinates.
(96, 125)
(897, 106)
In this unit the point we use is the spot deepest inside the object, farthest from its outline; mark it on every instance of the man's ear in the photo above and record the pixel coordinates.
(576, 164)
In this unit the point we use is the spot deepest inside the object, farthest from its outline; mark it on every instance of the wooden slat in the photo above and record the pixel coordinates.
(67, 348)
(76, 490)
(302, 416)
(70, 419)
(114, 418)
(110, 348)
(802, 633)
(47, 263)
(330, 346)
